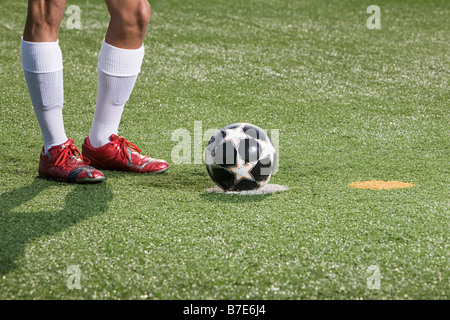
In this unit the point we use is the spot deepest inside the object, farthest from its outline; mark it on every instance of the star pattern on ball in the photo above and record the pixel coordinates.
(235, 136)
(242, 170)
(253, 157)
(267, 149)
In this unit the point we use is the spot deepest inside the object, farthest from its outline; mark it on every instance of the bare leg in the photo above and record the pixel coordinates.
(43, 20)
(128, 24)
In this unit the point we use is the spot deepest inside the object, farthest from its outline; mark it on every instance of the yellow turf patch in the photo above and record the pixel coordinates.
(380, 184)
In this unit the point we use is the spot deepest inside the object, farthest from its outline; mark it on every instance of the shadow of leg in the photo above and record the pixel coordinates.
(17, 228)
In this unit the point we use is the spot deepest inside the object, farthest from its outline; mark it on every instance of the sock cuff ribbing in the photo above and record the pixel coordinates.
(120, 62)
(41, 57)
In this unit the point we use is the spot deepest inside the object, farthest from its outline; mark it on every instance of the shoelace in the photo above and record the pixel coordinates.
(123, 143)
(68, 152)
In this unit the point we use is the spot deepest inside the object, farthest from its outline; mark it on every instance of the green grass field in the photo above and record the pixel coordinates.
(350, 104)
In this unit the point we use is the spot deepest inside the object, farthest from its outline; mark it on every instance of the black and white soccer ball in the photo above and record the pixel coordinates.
(240, 157)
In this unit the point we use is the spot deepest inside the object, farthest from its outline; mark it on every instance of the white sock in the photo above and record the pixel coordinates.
(117, 72)
(42, 65)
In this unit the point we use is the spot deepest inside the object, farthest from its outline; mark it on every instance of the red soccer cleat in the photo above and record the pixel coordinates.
(120, 154)
(62, 163)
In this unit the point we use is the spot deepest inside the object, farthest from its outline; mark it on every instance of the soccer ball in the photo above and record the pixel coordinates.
(240, 157)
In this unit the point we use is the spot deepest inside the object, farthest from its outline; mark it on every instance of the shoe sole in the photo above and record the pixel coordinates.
(128, 169)
(90, 180)
(79, 181)
(160, 171)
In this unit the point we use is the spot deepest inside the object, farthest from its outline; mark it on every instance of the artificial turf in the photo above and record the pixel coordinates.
(350, 104)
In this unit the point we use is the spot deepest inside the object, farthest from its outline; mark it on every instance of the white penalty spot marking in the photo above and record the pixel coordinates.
(267, 189)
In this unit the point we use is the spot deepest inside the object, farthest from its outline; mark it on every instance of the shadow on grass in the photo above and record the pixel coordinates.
(174, 179)
(18, 228)
(196, 180)
(233, 198)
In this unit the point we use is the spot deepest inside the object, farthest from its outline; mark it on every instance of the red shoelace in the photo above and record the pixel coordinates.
(123, 143)
(69, 152)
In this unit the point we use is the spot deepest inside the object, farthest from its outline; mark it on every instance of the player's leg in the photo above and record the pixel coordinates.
(42, 65)
(128, 25)
(119, 64)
